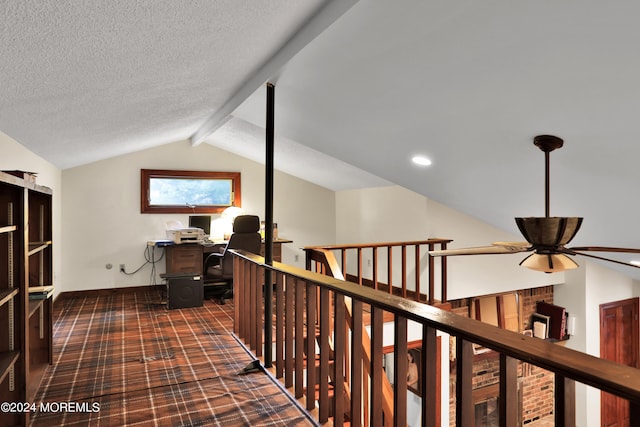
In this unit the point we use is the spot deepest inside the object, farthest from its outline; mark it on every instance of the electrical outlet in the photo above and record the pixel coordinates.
(122, 268)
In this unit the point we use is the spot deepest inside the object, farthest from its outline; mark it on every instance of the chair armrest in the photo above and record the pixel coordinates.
(213, 258)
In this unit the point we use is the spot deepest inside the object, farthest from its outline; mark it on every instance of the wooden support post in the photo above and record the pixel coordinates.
(268, 235)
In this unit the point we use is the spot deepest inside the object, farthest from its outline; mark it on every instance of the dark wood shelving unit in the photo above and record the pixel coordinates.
(25, 263)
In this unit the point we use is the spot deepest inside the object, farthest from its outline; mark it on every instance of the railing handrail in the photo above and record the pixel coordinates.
(434, 241)
(617, 379)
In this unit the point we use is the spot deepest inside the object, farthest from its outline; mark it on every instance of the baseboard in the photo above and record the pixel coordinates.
(60, 297)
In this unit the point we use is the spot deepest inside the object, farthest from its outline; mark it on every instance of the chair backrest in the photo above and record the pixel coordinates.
(246, 234)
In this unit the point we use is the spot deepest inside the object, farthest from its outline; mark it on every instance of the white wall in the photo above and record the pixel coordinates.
(15, 156)
(104, 224)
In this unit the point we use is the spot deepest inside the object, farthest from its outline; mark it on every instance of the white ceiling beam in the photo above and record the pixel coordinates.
(328, 14)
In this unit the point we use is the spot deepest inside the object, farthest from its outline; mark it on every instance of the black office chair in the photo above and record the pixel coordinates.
(218, 267)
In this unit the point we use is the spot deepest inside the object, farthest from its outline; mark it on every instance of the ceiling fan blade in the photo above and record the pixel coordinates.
(521, 245)
(574, 251)
(481, 250)
(604, 249)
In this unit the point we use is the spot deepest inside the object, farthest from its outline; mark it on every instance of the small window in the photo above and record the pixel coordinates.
(174, 191)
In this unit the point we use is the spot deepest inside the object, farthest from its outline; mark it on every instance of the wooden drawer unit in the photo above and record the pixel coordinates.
(276, 251)
(185, 258)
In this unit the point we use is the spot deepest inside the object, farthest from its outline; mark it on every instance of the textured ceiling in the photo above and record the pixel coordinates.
(83, 81)
(466, 83)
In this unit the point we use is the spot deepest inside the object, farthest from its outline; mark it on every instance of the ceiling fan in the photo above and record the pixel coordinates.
(545, 236)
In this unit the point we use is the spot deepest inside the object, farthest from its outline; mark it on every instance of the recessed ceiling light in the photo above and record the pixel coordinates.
(421, 160)
(635, 262)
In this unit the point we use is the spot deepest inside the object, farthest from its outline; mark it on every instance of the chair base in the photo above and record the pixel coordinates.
(221, 291)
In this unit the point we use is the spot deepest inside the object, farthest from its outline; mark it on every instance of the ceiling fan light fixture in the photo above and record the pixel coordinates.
(549, 231)
(549, 263)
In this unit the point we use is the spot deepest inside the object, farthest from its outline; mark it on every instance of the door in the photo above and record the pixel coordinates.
(619, 343)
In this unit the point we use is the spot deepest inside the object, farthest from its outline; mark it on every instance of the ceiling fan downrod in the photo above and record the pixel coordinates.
(547, 143)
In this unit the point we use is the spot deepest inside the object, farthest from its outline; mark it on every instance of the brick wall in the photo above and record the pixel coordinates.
(535, 384)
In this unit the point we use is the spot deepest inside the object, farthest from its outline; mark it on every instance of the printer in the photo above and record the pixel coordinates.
(186, 235)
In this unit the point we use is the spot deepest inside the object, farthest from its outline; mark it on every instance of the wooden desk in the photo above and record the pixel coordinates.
(189, 257)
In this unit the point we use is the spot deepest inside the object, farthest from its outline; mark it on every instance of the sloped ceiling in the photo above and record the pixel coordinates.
(468, 84)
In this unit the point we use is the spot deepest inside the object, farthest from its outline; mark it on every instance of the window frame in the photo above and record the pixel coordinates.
(147, 174)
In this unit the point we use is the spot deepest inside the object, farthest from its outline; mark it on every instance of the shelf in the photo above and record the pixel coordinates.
(35, 247)
(7, 294)
(8, 228)
(35, 296)
(26, 314)
(7, 360)
(40, 289)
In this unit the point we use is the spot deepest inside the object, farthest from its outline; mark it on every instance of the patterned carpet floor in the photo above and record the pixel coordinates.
(125, 360)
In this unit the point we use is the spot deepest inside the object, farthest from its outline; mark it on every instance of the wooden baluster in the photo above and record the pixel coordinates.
(279, 324)
(343, 256)
(416, 263)
(400, 368)
(508, 401)
(312, 293)
(308, 253)
(390, 268)
(259, 304)
(431, 297)
(375, 267)
(634, 410)
(339, 351)
(443, 272)
(565, 401)
(376, 370)
(429, 377)
(289, 314)
(356, 363)
(359, 252)
(238, 289)
(299, 339)
(404, 270)
(464, 377)
(247, 299)
(325, 350)
(253, 309)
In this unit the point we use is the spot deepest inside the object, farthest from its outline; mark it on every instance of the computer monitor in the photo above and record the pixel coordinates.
(201, 221)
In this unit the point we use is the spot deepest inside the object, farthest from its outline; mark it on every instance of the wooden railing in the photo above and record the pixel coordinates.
(309, 304)
(383, 274)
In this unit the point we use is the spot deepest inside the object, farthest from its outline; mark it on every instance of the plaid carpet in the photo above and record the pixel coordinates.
(124, 359)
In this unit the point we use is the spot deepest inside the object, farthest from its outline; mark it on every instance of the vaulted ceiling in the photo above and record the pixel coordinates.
(361, 87)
